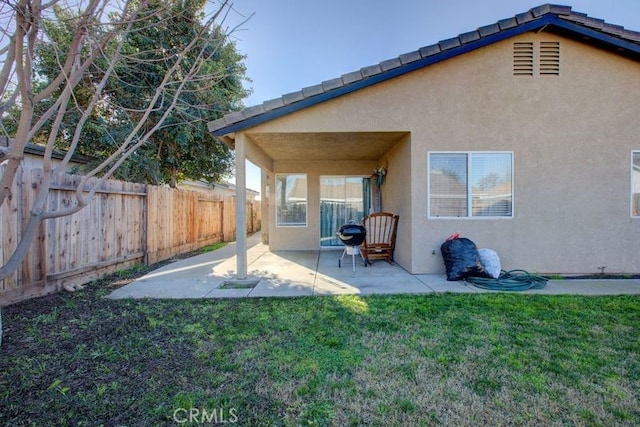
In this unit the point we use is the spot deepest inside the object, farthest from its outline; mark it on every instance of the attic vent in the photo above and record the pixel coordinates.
(550, 58)
(531, 59)
(523, 59)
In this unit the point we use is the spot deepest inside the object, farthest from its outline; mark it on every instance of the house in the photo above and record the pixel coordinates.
(222, 189)
(522, 135)
(34, 153)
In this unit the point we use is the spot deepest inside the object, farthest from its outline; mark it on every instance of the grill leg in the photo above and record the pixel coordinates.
(353, 250)
(364, 261)
(343, 254)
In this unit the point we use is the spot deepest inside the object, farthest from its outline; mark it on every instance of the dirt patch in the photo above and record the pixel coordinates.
(239, 284)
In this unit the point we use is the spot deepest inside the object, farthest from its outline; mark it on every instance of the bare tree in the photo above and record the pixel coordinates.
(100, 30)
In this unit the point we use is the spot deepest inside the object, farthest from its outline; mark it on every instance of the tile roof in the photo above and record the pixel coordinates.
(560, 17)
(39, 150)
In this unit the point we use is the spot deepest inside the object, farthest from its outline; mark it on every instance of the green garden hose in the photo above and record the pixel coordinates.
(513, 280)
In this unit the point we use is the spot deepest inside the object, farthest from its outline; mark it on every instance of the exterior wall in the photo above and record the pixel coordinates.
(571, 136)
(307, 238)
(222, 190)
(397, 196)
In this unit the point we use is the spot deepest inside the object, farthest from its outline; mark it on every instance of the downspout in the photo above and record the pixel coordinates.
(241, 207)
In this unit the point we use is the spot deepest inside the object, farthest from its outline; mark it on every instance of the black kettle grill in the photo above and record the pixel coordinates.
(352, 235)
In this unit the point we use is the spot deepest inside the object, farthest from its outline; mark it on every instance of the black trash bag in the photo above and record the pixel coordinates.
(461, 258)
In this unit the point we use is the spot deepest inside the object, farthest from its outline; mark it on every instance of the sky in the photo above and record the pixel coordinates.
(292, 44)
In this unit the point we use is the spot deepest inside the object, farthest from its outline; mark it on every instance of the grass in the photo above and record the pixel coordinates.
(239, 284)
(213, 247)
(494, 359)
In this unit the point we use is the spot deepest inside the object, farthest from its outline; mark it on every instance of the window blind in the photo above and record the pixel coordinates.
(473, 184)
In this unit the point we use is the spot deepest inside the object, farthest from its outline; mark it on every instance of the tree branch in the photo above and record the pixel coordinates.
(93, 47)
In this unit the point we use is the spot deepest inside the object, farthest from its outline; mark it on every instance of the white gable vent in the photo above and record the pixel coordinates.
(531, 58)
(550, 58)
(523, 59)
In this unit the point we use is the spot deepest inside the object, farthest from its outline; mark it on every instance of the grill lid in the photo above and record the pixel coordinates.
(352, 234)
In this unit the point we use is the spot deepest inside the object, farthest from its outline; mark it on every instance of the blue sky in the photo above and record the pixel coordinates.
(291, 44)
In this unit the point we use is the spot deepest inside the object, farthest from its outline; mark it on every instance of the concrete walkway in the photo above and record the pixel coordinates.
(306, 273)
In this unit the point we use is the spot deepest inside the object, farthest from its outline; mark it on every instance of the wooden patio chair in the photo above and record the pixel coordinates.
(380, 240)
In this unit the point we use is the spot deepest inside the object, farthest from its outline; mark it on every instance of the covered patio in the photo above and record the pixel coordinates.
(314, 154)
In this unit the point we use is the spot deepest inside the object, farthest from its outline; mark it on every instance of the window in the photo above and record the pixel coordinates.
(291, 200)
(470, 185)
(635, 183)
(342, 199)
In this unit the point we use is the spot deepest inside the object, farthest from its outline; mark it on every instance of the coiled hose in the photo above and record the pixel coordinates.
(513, 280)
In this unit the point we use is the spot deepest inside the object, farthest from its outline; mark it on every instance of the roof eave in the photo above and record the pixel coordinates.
(543, 21)
(608, 39)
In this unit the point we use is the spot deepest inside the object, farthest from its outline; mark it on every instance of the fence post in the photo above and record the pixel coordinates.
(145, 226)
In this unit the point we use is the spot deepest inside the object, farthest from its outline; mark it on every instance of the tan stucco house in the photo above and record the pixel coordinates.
(523, 135)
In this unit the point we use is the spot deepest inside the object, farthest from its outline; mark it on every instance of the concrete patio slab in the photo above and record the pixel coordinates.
(285, 274)
(307, 273)
(193, 277)
(439, 283)
(194, 282)
(590, 287)
(378, 278)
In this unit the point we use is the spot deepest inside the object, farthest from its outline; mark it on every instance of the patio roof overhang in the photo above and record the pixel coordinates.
(319, 146)
(266, 148)
(326, 145)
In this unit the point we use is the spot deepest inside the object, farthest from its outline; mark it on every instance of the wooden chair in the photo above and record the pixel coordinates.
(381, 236)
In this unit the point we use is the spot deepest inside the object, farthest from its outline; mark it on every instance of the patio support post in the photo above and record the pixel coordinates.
(241, 208)
(264, 204)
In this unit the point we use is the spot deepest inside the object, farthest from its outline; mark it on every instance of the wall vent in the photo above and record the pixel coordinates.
(523, 59)
(550, 58)
(531, 58)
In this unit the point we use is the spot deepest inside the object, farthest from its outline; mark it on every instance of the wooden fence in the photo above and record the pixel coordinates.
(125, 224)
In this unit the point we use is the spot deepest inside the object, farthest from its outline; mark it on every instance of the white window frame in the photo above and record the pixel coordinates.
(276, 198)
(632, 184)
(469, 215)
(345, 177)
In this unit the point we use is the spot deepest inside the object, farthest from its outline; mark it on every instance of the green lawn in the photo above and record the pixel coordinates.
(484, 359)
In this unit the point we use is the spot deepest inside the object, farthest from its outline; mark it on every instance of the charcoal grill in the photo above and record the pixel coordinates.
(352, 235)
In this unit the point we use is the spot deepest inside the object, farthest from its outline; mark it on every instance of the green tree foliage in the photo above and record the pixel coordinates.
(130, 83)
(181, 148)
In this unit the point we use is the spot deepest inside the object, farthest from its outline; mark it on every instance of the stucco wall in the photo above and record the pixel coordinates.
(571, 136)
(397, 197)
(308, 238)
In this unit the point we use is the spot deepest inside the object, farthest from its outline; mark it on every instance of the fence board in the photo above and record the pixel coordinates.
(11, 218)
(125, 223)
(194, 220)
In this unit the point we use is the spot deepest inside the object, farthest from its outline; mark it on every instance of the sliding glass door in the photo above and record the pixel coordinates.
(342, 199)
